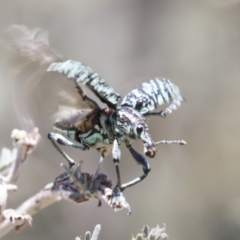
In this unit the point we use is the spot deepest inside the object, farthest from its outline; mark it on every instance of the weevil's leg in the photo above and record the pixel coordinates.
(99, 203)
(57, 138)
(116, 159)
(140, 159)
(82, 93)
(99, 166)
(173, 106)
(179, 142)
(118, 201)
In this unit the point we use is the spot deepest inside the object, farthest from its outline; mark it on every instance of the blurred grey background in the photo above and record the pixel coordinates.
(196, 43)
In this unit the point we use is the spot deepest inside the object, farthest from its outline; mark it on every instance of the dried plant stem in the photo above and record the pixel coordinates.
(11, 165)
(74, 186)
(31, 206)
(25, 143)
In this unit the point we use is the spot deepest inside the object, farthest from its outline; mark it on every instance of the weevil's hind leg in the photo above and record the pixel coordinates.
(116, 159)
(140, 159)
(57, 138)
(173, 106)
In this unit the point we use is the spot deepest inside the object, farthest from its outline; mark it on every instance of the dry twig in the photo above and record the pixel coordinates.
(72, 185)
(10, 165)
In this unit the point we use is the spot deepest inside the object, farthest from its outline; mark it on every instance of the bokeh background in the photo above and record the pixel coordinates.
(196, 43)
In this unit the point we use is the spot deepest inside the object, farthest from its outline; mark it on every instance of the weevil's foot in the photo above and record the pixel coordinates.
(118, 201)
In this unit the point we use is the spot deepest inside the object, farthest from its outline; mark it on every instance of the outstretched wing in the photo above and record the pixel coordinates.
(31, 44)
(37, 95)
(153, 93)
(85, 75)
(69, 116)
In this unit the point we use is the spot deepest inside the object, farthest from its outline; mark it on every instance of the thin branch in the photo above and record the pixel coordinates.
(74, 186)
(25, 143)
(11, 163)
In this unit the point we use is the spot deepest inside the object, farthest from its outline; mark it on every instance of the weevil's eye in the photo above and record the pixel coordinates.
(139, 130)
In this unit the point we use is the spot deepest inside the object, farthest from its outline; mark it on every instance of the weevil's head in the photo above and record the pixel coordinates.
(130, 123)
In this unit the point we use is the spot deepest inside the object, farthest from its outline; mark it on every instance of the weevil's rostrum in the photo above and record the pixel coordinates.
(119, 122)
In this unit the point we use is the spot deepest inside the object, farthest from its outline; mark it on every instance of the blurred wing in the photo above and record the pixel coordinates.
(153, 93)
(29, 43)
(36, 95)
(84, 75)
(68, 116)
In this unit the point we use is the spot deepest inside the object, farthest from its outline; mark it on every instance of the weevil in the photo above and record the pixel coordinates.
(123, 120)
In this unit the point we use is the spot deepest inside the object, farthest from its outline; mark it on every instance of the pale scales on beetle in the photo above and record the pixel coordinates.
(101, 128)
(120, 122)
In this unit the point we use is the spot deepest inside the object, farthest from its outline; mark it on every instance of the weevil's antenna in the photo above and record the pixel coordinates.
(179, 142)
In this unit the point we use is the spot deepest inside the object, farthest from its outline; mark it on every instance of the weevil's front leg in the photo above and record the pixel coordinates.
(140, 159)
(57, 138)
(116, 159)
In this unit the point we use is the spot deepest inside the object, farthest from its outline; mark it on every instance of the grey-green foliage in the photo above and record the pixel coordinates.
(87, 235)
(146, 234)
(93, 236)
(152, 234)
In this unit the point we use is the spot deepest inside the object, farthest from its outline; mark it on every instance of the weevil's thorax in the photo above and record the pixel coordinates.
(128, 123)
(121, 123)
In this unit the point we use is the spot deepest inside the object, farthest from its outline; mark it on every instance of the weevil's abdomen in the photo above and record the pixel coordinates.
(88, 132)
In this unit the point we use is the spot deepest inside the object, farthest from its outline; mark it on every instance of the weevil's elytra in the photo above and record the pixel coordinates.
(121, 121)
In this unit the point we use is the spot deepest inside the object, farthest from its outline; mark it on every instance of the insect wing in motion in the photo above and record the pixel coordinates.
(85, 75)
(29, 54)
